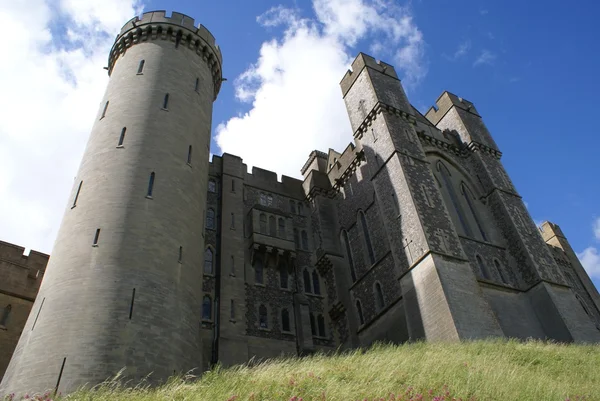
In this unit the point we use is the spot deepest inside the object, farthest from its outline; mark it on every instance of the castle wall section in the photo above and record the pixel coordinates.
(20, 279)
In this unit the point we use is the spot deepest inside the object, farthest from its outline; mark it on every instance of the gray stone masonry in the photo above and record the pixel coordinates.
(413, 231)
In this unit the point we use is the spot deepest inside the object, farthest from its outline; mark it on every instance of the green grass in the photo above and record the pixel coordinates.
(480, 370)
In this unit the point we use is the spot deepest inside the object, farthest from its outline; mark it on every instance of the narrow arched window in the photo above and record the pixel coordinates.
(210, 219)
(321, 325)
(313, 328)
(306, 279)
(206, 308)
(263, 223)
(150, 185)
(263, 320)
(367, 237)
(272, 227)
(232, 185)
(296, 238)
(77, 194)
(5, 314)
(583, 305)
(453, 198)
(359, 311)
(469, 198)
(482, 267)
(316, 283)
(304, 240)
(281, 228)
(292, 206)
(122, 137)
(500, 273)
(212, 186)
(104, 110)
(379, 303)
(189, 158)
(300, 209)
(165, 105)
(197, 84)
(258, 271)
(141, 66)
(208, 261)
(346, 245)
(285, 320)
(283, 275)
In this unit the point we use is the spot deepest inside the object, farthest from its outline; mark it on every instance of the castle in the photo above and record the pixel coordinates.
(166, 262)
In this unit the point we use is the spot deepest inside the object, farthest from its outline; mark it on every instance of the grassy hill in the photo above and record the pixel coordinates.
(480, 370)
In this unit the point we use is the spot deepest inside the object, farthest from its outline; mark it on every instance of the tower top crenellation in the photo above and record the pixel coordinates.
(178, 28)
(361, 61)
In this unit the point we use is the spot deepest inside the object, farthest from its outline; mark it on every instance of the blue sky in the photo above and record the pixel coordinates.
(529, 67)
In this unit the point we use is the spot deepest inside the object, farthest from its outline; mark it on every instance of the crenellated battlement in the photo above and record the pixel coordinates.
(361, 61)
(444, 103)
(179, 29)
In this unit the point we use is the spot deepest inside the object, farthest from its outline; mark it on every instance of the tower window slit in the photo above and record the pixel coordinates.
(131, 306)
(104, 110)
(189, 157)
(141, 67)
(38, 314)
(166, 102)
(197, 84)
(150, 185)
(96, 237)
(180, 254)
(232, 310)
(77, 194)
(122, 137)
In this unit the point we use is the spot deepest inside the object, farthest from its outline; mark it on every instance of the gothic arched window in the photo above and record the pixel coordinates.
(283, 275)
(361, 319)
(346, 245)
(285, 320)
(300, 209)
(482, 267)
(321, 325)
(313, 328)
(292, 206)
(5, 314)
(296, 239)
(367, 237)
(272, 227)
(306, 278)
(208, 261)
(263, 320)
(210, 219)
(258, 271)
(469, 198)
(500, 273)
(206, 308)
(453, 198)
(316, 283)
(304, 240)
(263, 223)
(212, 186)
(281, 228)
(379, 303)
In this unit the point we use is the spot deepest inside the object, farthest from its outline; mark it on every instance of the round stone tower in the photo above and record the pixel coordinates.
(124, 282)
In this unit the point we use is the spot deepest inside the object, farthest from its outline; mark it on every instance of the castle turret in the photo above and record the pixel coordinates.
(123, 286)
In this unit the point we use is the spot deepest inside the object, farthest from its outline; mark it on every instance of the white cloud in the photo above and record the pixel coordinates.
(596, 228)
(51, 84)
(486, 57)
(294, 89)
(590, 259)
(461, 51)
